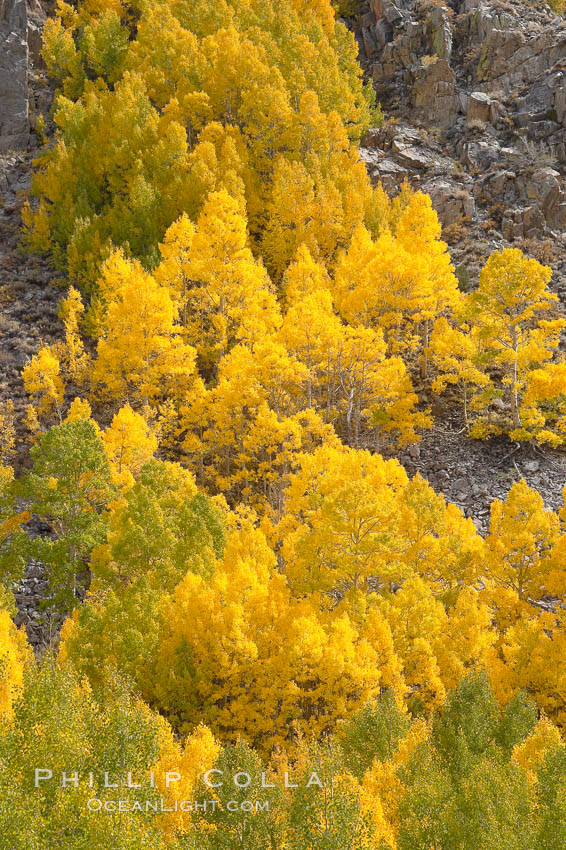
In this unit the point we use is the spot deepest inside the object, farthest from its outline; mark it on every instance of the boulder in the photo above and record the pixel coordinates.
(479, 108)
(373, 138)
(523, 223)
(533, 221)
(451, 201)
(480, 155)
(510, 57)
(544, 185)
(392, 14)
(497, 186)
(385, 171)
(413, 157)
(512, 225)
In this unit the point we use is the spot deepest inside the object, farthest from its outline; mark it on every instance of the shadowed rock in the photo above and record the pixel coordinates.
(14, 109)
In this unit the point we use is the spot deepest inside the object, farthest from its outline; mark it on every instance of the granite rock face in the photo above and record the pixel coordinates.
(14, 108)
(480, 107)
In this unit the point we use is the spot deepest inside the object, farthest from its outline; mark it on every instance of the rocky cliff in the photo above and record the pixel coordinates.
(20, 45)
(475, 96)
(14, 113)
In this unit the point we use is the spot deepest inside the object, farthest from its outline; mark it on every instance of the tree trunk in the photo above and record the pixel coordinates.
(514, 393)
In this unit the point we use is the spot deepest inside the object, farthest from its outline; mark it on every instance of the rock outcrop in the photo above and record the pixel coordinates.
(14, 109)
(475, 96)
(21, 27)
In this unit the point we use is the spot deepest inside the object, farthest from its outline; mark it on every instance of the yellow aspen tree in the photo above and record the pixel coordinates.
(303, 276)
(400, 282)
(418, 621)
(59, 50)
(130, 443)
(515, 314)
(531, 656)
(382, 789)
(437, 645)
(42, 380)
(374, 628)
(531, 753)
(166, 53)
(371, 388)
(309, 207)
(247, 378)
(172, 272)
(436, 541)
(378, 216)
(556, 580)
(310, 329)
(350, 382)
(189, 760)
(7, 430)
(320, 10)
(271, 451)
(322, 143)
(114, 274)
(13, 549)
(399, 204)
(231, 298)
(14, 654)
(80, 411)
(467, 639)
(518, 550)
(339, 529)
(291, 221)
(456, 354)
(269, 119)
(144, 157)
(418, 231)
(74, 358)
(251, 427)
(140, 356)
(285, 76)
(63, 723)
(232, 62)
(220, 162)
(380, 284)
(257, 663)
(543, 405)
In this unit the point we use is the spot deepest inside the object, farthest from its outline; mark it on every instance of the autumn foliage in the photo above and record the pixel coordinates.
(249, 579)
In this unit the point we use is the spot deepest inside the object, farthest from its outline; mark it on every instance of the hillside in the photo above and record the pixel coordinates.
(282, 425)
(494, 170)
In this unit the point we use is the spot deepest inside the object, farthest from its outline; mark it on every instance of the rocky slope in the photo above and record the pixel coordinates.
(28, 300)
(475, 95)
